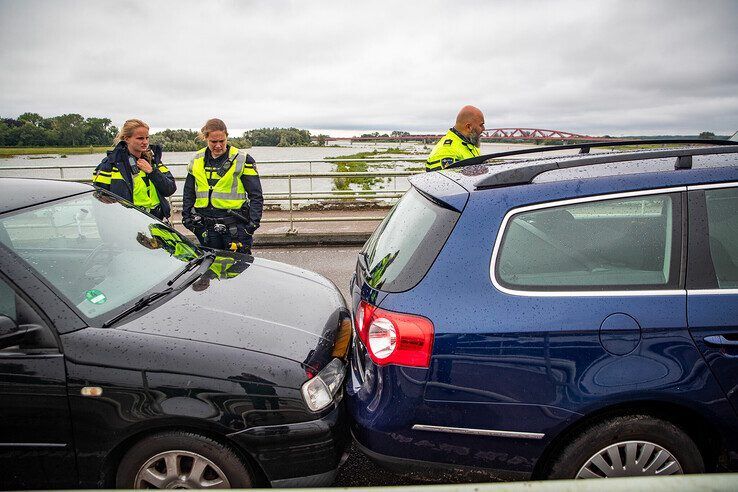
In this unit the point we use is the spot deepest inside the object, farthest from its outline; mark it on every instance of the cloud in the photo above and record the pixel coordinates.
(610, 67)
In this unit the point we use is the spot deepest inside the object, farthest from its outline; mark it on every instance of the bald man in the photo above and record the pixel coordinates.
(460, 142)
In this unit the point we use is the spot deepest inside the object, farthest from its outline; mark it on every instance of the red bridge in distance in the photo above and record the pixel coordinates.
(489, 135)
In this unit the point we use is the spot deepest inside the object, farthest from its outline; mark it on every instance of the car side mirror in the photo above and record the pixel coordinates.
(10, 332)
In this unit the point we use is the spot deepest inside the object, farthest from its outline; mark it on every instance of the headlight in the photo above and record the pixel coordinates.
(318, 393)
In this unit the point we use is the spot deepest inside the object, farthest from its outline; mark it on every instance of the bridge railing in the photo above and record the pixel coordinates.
(285, 190)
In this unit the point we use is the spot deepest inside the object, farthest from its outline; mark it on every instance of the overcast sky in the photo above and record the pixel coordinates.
(610, 67)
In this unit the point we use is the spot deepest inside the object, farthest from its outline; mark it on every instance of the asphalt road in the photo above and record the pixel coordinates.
(337, 264)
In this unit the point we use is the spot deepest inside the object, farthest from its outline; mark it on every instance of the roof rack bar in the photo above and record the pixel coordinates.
(615, 143)
(526, 174)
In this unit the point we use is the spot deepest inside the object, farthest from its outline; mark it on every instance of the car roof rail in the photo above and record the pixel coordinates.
(584, 148)
(527, 173)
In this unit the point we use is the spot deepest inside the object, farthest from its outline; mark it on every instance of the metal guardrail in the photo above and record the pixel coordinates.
(674, 483)
(291, 196)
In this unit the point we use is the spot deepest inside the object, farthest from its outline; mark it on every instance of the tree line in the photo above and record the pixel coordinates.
(74, 130)
(67, 130)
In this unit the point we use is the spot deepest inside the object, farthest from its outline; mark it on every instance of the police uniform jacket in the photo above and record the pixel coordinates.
(451, 148)
(116, 174)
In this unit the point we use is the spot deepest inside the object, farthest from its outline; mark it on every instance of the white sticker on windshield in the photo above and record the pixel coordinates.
(95, 296)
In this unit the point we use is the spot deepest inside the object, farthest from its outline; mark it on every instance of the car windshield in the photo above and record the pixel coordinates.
(98, 252)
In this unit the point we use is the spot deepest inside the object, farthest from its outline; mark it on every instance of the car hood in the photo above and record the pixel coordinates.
(257, 305)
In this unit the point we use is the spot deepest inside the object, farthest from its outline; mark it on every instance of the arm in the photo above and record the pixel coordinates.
(440, 160)
(188, 200)
(163, 180)
(102, 175)
(252, 184)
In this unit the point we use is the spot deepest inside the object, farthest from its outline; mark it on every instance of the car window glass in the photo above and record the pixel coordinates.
(7, 301)
(97, 252)
(406, 243)
(38, 334)
(610, 244)
(722, 218)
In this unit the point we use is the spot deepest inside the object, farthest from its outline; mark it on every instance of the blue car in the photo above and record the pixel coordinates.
(564, 317)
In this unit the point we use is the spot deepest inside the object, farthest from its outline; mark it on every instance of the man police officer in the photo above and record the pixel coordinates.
(460, 142)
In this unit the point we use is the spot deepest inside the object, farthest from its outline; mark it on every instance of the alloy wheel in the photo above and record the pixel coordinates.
(630, 459)
(180, 470)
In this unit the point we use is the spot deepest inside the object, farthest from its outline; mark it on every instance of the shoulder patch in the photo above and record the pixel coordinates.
(448, 142)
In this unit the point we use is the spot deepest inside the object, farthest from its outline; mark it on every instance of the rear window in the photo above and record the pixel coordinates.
(621, 244)
(404, 246)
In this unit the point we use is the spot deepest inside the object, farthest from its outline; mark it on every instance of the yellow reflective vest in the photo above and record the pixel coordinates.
(449, 149)
(173, 243)
(144, 196)
(228, 192)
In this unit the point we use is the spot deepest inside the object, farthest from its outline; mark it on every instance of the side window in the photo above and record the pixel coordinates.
(36, 335)
(618, 244)
(722, 220)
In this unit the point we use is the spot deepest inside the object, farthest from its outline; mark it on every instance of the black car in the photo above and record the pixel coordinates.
(130, 357)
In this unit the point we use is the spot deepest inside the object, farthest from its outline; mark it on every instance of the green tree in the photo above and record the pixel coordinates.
(32, 118)
(707, 135)
(99, 131)
(281, 137)
(71, 129)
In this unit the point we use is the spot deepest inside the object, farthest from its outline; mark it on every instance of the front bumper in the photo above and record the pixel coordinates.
(303, 454)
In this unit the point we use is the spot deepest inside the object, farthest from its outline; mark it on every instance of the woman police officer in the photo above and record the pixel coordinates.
(133, 171)
(222, 199)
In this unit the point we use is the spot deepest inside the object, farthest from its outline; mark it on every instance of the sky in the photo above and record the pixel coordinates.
(347, 67)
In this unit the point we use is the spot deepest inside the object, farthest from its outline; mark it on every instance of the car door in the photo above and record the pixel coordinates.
(712, 280)
(586, 307)
(36, 449)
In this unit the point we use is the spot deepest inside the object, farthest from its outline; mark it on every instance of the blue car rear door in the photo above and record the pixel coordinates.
(712, 280)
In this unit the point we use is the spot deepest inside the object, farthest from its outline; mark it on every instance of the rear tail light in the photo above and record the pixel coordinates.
(394, 338)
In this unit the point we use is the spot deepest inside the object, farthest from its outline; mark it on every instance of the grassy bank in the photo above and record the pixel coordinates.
(363, 166)
(11, 151)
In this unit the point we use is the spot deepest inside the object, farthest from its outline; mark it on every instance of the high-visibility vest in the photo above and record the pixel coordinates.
(228, 192)
(449, 149)
(180, 249)
(144, 196)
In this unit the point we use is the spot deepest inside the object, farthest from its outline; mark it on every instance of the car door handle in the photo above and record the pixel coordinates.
(722, 341)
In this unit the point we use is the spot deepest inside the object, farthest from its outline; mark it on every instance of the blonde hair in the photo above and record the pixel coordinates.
(212, 125)
(128, 128)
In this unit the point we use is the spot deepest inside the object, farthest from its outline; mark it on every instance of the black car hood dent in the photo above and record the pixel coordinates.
(264, 306)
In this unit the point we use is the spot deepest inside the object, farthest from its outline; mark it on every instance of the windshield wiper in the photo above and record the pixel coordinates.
(140, 304)
(190, 265)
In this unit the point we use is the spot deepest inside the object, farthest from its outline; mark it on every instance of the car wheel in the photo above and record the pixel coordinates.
(181, 460)
(636, 445)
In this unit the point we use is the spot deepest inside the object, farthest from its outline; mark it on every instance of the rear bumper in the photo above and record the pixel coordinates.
(304, 454)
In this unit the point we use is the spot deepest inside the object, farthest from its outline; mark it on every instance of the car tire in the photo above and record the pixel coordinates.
(181, 460)
(635, 445)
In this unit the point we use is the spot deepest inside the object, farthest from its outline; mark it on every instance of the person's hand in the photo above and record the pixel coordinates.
(144, 166)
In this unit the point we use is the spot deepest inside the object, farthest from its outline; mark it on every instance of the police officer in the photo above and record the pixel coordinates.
(222, 199)
(133, 171)
(460, 142)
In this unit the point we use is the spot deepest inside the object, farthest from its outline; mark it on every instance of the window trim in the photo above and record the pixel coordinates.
(703, 215)
(49, 326)
(579, 293)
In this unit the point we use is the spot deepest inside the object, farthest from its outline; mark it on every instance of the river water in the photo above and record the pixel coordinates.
(56, 166)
